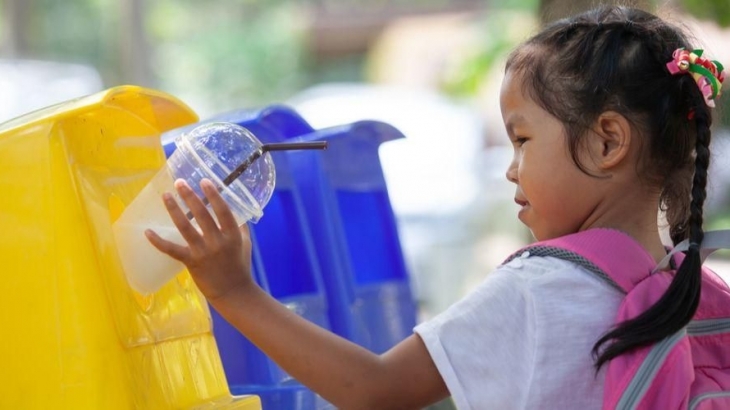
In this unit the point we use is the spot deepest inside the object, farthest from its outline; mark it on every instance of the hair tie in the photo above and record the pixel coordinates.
(694, 246)
(708, 74)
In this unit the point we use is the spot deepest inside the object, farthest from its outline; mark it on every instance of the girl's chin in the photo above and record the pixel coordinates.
(522, 215)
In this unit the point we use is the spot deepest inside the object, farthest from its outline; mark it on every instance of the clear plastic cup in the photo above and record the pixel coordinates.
(210, 151)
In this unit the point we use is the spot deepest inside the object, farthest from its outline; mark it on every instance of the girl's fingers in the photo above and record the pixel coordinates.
(245, 235)
(181, 253)
(197, 208)
(222, 211)
(187, 230)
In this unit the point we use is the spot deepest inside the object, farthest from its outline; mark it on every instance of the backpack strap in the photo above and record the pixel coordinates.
(614, 256)
(714, 240)
(603, 252)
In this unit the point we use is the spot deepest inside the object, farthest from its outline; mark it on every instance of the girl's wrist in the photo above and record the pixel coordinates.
(244, 290)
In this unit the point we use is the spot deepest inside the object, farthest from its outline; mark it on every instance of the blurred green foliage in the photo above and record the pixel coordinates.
(233, 55)
(468, 79)
(715, 10)
(73, 31)
(225, 53)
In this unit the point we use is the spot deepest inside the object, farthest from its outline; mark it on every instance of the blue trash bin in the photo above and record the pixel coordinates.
(355, 233)
(330, 216)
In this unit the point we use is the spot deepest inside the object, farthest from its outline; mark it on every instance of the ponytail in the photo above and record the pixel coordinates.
(679, 303)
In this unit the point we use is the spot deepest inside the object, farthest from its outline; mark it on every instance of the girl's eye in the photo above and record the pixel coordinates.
(519, 141)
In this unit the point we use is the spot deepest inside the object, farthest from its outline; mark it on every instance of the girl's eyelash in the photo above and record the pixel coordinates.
(520, 140)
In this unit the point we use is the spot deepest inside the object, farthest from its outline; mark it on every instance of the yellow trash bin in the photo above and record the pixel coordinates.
(73, 335)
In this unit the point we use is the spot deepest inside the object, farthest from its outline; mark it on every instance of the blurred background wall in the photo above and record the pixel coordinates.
(432, 68)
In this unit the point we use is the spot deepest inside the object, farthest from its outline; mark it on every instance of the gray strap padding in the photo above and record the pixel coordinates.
(713, 241)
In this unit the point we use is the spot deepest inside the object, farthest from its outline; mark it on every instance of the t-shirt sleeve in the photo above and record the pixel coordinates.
(484, 345)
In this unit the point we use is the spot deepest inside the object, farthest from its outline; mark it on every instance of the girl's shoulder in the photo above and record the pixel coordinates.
(536, 272)
(532, 310)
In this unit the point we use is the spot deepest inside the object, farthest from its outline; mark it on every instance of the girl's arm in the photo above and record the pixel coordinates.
(345, 374)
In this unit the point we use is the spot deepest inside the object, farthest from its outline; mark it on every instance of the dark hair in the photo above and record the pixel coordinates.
(614, 58)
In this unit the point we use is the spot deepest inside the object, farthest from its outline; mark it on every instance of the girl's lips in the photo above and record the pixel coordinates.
(521, 214)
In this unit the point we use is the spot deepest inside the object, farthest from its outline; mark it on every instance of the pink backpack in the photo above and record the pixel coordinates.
(688, 370)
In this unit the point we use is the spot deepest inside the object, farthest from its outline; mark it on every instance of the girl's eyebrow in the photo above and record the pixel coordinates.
(513, 120)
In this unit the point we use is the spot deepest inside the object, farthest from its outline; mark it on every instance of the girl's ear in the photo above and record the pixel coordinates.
(611, 140)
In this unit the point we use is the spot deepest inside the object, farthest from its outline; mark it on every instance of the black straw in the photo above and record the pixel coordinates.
(282, 146)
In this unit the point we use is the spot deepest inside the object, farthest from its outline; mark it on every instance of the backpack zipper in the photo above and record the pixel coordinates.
(649, 367)
(708, 326)
(654, 360)
(696, 401)
(703, 328)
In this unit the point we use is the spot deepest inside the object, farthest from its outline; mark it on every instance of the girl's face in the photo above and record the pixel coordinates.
(555, 196)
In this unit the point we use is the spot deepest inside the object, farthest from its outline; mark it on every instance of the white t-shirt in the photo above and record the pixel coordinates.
(523, 338)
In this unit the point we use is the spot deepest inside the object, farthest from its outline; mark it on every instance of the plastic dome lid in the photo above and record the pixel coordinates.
(222, 147)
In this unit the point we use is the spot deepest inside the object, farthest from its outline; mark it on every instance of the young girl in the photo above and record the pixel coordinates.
(608, 126)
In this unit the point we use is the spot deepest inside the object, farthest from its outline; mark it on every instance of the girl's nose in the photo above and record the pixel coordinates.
(511, 173)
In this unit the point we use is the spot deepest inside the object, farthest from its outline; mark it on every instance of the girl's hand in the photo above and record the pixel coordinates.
(345, 374)
(217, 257)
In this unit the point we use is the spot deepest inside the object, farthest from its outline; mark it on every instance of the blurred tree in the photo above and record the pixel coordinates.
(472, 72)
(15, 16)
(221, 54)
(78, 31)
(134, 50)
(227, 55)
